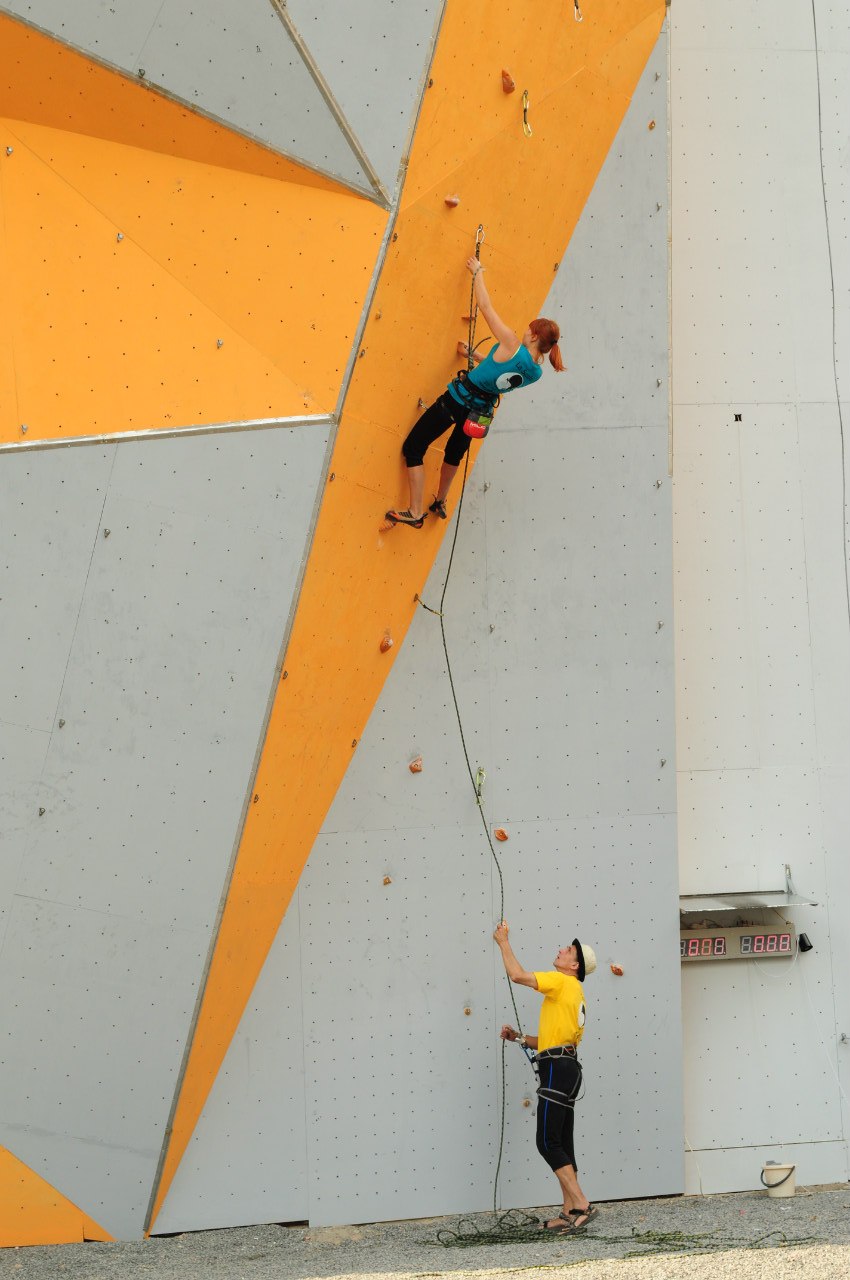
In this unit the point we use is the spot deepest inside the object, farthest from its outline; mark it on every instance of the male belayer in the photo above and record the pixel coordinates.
(562, 1017)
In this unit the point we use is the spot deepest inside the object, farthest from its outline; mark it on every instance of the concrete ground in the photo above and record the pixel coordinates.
(743, 1237)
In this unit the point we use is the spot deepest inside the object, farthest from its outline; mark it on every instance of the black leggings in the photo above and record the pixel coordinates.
(555, 1121)
(434, 423)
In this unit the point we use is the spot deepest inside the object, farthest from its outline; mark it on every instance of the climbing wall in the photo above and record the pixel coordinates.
(233, 322)
(559, 627)
(761, 342)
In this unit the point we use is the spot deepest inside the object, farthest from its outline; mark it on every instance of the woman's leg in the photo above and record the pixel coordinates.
(434, 422)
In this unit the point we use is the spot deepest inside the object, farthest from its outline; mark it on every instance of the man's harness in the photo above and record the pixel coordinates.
(555, 1096)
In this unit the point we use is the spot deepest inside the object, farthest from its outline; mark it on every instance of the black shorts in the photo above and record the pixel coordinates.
(435, 422)
(556, 1120)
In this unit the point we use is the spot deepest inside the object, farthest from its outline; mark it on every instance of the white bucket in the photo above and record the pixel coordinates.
(779, 1179)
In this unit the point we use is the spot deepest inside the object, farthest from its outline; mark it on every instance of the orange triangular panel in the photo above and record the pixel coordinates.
(48, 83)
(34, 1212)
(282, 268)
(359, 583)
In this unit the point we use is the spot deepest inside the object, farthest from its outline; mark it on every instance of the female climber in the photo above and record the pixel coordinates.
(511, 363)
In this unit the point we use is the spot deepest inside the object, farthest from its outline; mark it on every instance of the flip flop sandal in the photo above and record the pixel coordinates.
(588, 1214)
(559, 1228)
(405, 517)
(439, 509)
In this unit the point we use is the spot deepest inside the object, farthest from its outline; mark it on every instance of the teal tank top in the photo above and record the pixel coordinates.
(498, 378)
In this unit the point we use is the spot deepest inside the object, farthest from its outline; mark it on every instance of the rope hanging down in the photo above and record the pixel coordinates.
(476, 779)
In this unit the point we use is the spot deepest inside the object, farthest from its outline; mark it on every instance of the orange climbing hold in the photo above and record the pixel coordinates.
(453, 201)
(508, 82)
(617, 970)
(387, 642)
(415, 766)
(500, 833)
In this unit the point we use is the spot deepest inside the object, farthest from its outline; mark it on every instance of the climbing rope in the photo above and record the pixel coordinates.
(476, 779)
(518, 1227)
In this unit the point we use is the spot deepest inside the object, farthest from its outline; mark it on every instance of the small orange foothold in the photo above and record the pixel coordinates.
(415, 766)
(388, 879)
(387, 642)
(617, 970)
(508, 82)
(453, 201)
(500, 833)
(652, 124)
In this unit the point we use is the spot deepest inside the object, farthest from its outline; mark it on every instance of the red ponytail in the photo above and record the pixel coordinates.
(547, 334)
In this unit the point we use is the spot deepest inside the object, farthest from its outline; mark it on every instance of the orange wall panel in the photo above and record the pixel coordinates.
(529, 193)
(284, 267)
(33, 1212)
(48, 83)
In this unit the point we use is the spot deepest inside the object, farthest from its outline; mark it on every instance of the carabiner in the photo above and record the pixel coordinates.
(526, 127)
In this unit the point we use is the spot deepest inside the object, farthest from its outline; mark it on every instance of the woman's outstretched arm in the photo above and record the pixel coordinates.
(503, 333)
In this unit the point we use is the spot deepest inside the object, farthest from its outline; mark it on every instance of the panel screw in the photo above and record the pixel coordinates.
(61, 724)
(219, 342)
(120, 236)
(41, 812)
(106, 533)
(24, 428)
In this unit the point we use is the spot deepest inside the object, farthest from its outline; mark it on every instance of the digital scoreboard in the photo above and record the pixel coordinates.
(748, 942)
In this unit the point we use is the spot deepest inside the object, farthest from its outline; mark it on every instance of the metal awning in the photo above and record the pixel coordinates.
(716, 903)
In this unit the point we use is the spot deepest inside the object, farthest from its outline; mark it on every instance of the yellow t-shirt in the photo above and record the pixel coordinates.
(562, 1012)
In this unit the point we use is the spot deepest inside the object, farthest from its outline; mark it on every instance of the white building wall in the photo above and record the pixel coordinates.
(761, 604)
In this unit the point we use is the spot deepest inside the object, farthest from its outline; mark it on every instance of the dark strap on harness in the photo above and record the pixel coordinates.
(473, 397)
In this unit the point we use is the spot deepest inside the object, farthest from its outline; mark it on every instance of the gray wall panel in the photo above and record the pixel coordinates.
(247, 1160)
(47, 548)
(401, 1096)
(238, 65)
(168, 674)
(373, 58)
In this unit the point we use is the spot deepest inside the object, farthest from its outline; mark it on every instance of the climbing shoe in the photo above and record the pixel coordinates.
(405, 517)
(438, 506)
